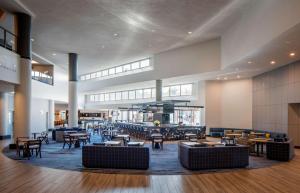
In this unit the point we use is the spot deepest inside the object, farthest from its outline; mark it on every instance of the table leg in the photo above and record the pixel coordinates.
(257, 149)
(262, 148)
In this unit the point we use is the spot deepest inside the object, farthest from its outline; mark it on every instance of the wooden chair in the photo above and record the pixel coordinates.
(32, 145)
(44, 137)
(84, 139)
(157, 141)
(67, 140)
(20, 145)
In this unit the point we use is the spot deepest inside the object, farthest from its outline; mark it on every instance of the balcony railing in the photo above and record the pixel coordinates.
(8, 40)
(42, 77)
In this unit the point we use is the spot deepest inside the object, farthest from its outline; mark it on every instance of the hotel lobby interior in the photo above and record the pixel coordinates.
(170, 96)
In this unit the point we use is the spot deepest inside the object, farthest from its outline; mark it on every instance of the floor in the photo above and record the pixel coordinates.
(18, 177)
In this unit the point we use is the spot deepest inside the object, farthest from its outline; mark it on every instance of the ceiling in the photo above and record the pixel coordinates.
(113, 32)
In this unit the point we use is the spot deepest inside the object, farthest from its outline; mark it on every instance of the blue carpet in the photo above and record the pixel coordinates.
(162, 162)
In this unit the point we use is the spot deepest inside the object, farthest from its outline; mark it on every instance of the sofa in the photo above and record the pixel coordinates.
(197, 158)
(281, 151)
(117, 157)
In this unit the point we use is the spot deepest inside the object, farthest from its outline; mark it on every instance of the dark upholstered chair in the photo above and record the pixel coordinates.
(115, 157)
(196, 158)
(281, 151)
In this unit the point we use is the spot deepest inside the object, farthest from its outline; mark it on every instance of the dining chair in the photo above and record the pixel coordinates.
(32, 145)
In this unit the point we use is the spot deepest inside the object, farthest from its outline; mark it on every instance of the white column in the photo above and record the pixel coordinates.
(51, 114)
(158, 84)
(73, 106)
(22, 103)
(3, 114)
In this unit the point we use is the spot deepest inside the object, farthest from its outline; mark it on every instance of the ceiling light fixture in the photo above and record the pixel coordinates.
(34, 62)
(32, 39)
(115, 34)
(218, 78)
(238, 76)
(190, 32)
(249, 62)
(272, 62)
(53, 54)
(292, 54)
(225, 78)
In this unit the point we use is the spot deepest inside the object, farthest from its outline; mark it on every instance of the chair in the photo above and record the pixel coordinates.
(44, 137)
(20, 145)
(32, 145)
(67, 140)
(84, 139)
(157, 142)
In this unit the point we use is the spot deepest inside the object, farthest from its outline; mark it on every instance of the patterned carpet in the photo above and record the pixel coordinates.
(162, 162)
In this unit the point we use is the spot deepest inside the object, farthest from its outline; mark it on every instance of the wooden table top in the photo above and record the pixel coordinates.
(156, 135)
(189, 143)
(112, 142)
(122, 136)
(190, 134)
(78, 134)
(234, 134)
(141, 143)
(261, 140)
(212, 143)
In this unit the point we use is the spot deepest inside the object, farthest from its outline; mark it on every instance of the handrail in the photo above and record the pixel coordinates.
(12, 45)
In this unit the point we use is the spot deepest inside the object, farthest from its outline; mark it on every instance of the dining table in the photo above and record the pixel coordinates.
(76, 136)
(259, 142)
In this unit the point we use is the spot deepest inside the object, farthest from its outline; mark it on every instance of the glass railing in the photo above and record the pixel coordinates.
(8, 40)
(42, 77)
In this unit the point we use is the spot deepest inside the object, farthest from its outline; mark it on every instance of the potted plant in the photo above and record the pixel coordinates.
(156, 123)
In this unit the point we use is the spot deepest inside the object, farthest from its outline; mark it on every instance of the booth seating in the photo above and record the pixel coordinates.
(96, 156)
(197, 158)
(281, 151)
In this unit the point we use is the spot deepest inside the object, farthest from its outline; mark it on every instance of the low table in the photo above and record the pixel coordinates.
(112, 143)
(212, 143)
(77, 135)
(133, 143)
(260, 142)
(189, 143)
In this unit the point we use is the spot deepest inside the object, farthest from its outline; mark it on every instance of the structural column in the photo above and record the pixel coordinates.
(22, 105)
(158, 84)
(73, 104)
(3, 115)
(51, 114)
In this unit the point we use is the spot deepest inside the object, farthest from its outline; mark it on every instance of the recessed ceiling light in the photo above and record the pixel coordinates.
(103, 46)
(249, 62)
(32, 39)
(237, 69)
(33, 62)
(272, 62)
(292, 54)
(53, 54)
(115, 34)
(153, 30)
(190, 32)
(238, 76)
(218, 78)
(225, 78)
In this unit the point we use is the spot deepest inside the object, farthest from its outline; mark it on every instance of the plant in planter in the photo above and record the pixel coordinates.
(156, 123)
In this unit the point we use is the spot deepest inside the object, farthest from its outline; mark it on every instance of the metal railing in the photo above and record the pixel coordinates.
(8, 40)
(42, 77)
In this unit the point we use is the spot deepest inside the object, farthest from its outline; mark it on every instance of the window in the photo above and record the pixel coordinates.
(153, 92)
(166, 91)
(112, 96)
(145, 63)
(131, 94)
(186, 89)
(82, 77)
(112, 71)
(98, 74)
(101, 97)
(119, 69)
(92, 98)
(106, 97)
(87, 77)
(147, 93)
(118, 96)
(139, 94)
(97, 98)
(135, 65)
(93, 75)
(125, 95)
(105, 73)
(126, 67)
(175, 90)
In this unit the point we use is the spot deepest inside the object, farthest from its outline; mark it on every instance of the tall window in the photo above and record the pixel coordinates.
(131, 94)
(175, 90)
(166, 91)
(147, 93)
(139, 94)
(125, 95)
(186, 89)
